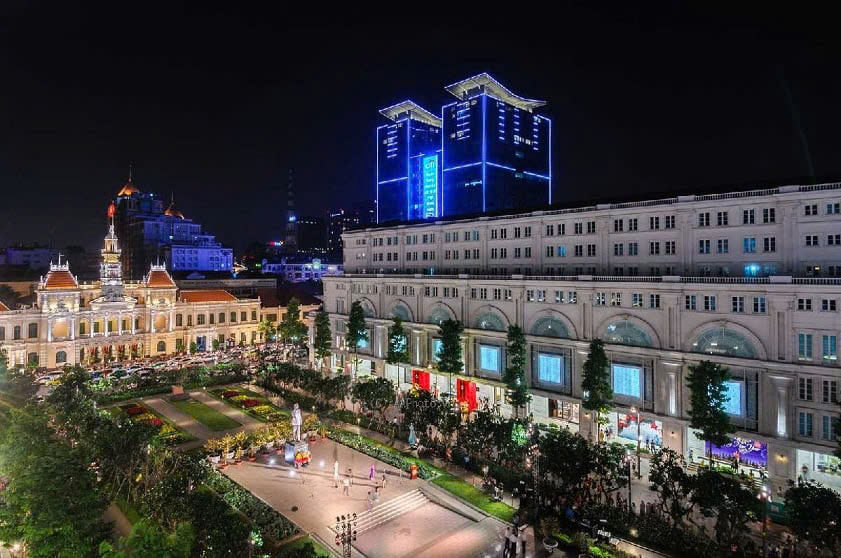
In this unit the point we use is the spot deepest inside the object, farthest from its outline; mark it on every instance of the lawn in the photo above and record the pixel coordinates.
(211, 418)
(250, 402)
(472, 495)
(128, 510)
(299, 543)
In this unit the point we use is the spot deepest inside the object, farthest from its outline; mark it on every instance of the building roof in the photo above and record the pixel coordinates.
(3, 307)
(128, 189)
(211, 295)
(173, 211)
(158, 279)
(415, 111)
(59, 279)
(485, 82)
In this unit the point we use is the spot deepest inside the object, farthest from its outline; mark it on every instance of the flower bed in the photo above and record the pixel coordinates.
(167, 432)
(250, 403)
(230, 393)
(270, 522)
(382, 452)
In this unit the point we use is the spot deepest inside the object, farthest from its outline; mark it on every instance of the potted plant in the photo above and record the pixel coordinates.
(226, 443)
(214, 449)
(548, 526)
(310, 427)
(283, 432)
(238, 456)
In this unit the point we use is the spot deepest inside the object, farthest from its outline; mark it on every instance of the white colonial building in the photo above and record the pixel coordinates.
(743, 279)
(111, 319)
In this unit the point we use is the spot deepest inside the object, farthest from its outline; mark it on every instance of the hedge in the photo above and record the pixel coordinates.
(167, 388)
(270, 522)
(383, 453)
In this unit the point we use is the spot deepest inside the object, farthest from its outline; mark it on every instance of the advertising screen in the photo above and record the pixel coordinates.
(549, 368)
(489, 358)
(750, 453)
(734, 403)
(626, 380)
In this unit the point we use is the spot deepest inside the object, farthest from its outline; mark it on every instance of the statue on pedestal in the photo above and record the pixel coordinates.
(297, 421)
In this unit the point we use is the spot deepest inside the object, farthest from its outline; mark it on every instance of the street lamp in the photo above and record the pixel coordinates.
(639, 441)
(764, 496)
(628, 460)
(346, 533)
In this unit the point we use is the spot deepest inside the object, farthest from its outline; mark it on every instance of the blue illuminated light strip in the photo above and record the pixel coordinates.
(408, 171)
(501, 166)
(537, 175)
(442, 157)
(463, 166)
(484, 149)
(392, 180)
(549, 150)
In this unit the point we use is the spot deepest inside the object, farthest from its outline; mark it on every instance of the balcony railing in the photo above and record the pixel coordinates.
(777, 279)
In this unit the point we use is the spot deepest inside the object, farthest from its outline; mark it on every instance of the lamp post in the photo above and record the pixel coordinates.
(628, 460)
(764, 496)
(346, 533)
(639, 441)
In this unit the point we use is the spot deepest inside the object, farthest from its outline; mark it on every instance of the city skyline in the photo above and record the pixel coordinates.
(682, 118)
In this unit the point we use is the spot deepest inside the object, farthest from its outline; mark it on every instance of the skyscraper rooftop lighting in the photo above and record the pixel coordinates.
(485, 82)
(414, 111)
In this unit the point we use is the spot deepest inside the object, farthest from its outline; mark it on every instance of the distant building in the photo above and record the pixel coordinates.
(33, 257)
(151, 232)
(339, 222)
(312, 235)
(297, 269)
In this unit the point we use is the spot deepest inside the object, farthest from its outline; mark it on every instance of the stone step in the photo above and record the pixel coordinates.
(390, 510)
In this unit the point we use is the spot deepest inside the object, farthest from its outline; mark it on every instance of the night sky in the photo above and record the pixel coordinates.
(215, 106)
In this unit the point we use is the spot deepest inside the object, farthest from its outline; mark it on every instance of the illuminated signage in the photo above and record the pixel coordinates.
(430, 186)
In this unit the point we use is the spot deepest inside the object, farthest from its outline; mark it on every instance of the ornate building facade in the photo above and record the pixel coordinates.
(749, 280)
(110, 319)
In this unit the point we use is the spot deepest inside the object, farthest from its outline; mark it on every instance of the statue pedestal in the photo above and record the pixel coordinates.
(293, 448)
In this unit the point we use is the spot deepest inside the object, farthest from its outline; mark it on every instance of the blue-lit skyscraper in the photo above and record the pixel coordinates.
(408, 164)
(496, 153)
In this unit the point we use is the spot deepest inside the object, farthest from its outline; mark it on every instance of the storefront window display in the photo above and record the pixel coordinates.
(820, 467)
(746, 454)
(566, 412)
(622, 428)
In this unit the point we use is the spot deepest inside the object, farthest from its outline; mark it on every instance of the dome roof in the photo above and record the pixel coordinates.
(173, 211)
(128, 189)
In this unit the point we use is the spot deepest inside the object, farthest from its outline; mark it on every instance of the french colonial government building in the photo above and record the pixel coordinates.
(74, 323)
(749, 280)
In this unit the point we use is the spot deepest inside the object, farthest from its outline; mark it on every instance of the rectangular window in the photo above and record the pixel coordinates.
(591, 250)
(769, 244)
(722, 218)
(670, 221)
(723, 245)
(769, 215)
(703, 246)
(618, 225)
(550, 368)
(830, 428)
(654, 248)
(748, 217)
(636, 300)
(591, 227)
(618, 249)
(654, 223)
(737, 304)
(811, 209)
(633, 249)
(833, 208)
(559, 297)
(691, 302)
(833, 240)
(804, 346)
(709, 303)
(616, 299)
(749, 245)
(670, 248)
(830, 348)
(550, 230)
(633, 224)
(830, 391)
(579, 250)
(578, 228)
(828, 305)
(759, 305)
(804, 424)
(812, 240)
(489, 358)
(654, 301)
(626, 380)
(598, 299)
(804, 304)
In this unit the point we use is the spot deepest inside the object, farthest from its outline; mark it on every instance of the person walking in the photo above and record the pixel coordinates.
(346, 487)
(350, 475)
(507, 543)
(372, 471)
(370, 501)
(383, 481)
(336, 474)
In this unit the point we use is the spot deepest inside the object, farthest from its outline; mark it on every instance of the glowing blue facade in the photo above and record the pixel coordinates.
(496, 152)
(408, 165)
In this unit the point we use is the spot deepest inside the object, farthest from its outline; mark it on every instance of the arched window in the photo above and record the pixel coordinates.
(161, 346)
(368, 310)
(60, 357)
(625, 332)
(723, 341)
(550, 326)
(489, 321)
(438, 316)
(400, 311)
(33, 331)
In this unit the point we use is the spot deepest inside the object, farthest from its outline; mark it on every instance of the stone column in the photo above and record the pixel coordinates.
(780, 386)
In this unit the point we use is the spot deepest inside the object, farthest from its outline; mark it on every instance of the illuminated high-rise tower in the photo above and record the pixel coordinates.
(496, 152)
(408, 164)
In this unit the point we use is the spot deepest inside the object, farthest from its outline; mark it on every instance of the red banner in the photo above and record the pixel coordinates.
(420, 379)
(466, 392)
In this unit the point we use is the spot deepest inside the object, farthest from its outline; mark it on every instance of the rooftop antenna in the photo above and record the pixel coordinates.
(129, 171)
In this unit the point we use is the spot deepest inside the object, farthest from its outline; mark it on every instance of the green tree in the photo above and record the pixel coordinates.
(398, 346)
(120, 448)
(375, 395)
(418, 408)
(598, 392)
(51, 502)
(323, 339)
(146, 541)
(336, 388)
(167, 478)
(449, 355)
(291, 328)
(215, 344)
(813, 512)
(268, 329)
(730, 502)
(673, 484)
(514, 375)
(220, 530)
(356, 332)
(14, 381)
(567, 457)
(708, 395)
(194, 348)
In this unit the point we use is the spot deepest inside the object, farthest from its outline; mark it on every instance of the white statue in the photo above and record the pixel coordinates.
(297, 421)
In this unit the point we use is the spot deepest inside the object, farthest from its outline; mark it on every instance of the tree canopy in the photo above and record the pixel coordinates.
(322, 341)
(291, 328)
(515, 372)
(707, 383)
(596, 381)
(398, 343)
